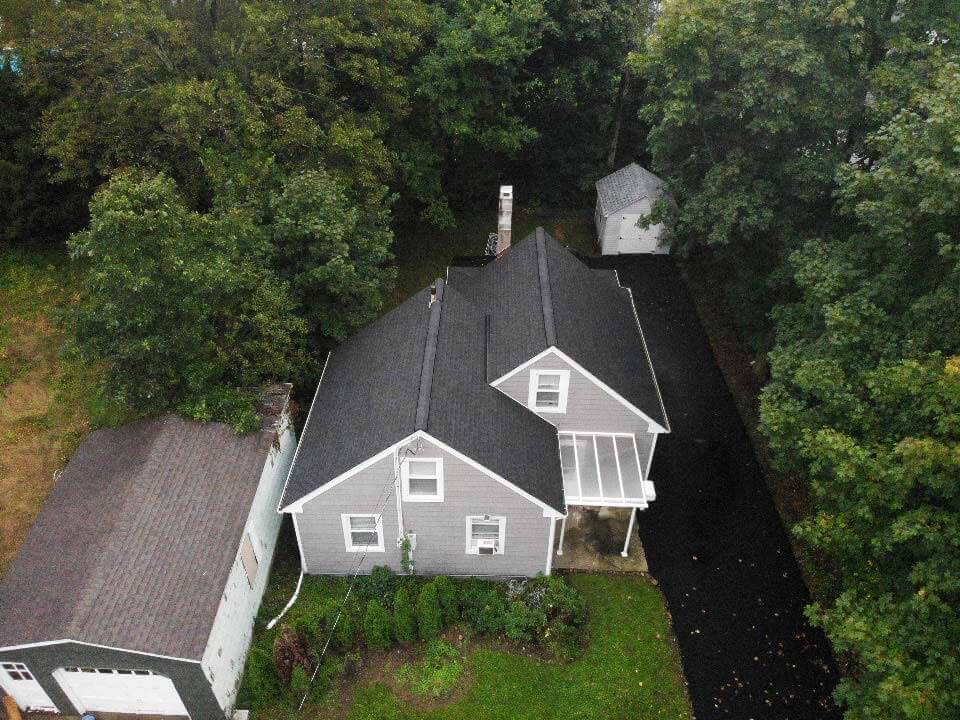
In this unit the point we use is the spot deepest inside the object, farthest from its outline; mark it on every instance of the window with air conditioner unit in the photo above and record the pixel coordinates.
(485, 535)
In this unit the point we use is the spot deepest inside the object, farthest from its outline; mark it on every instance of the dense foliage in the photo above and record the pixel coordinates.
(179, 304)
(304, 122)
(864, 401)
(812, 152)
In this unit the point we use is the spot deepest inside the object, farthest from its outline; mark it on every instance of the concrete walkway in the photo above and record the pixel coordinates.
(587, 550)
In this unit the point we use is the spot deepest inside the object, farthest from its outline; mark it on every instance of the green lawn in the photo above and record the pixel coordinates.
(630, 670)
(423, 253)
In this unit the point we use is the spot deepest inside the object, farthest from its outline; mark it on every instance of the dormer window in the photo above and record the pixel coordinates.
(422, 479)
(548, 391)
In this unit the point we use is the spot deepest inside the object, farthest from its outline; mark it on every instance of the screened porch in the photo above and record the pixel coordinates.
(603, 470)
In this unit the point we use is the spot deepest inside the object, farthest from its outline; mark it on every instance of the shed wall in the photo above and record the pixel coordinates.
(232, 631)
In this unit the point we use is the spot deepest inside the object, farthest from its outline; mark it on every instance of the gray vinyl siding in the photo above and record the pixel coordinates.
(590, 408)
(321, 530)
(440, 527)
(187, 677)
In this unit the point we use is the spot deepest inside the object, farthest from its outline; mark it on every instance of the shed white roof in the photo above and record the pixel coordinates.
(626, 186)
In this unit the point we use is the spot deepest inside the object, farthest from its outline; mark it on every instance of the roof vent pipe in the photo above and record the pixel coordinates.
(505, 219)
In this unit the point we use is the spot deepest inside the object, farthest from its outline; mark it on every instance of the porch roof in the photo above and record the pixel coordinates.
(603, 469)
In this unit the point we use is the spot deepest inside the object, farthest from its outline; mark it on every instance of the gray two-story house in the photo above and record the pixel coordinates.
(461, 426)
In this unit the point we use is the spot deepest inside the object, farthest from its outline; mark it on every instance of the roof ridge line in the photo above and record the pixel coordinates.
(546, 299)
(429, 357)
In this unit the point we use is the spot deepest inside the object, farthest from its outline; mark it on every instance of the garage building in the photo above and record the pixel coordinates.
(137, 587)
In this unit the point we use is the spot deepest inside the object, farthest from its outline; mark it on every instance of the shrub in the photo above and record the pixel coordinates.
(565, 642)
(346, 634)
(429, 618)
(523, 623)
(559, 600)
(316, 623)
(437, 674)
(449, 600)
(484, 608)
(376, 626)
(404, 620)
(261, 686)
(299, 683)
(291, 650)
(380, 585)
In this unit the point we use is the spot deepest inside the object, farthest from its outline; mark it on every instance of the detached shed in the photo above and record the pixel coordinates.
(622, 197)
(136, 590)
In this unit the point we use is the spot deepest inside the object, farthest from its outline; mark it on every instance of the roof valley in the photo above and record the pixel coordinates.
(546, 299)
(429, 358)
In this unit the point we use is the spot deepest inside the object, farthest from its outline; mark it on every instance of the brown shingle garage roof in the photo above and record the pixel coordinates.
(134, 545)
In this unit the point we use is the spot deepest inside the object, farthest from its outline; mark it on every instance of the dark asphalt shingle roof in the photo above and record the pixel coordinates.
(371, 388)
(626, 186)
(478, 420)
(134, 545)
(487, 321)
(593, 318)
(366, 400)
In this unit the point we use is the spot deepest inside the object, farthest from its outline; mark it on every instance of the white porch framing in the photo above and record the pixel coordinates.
(634, 504)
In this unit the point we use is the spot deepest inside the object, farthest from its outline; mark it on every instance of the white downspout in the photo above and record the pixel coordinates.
(626, 543)
(563, 528)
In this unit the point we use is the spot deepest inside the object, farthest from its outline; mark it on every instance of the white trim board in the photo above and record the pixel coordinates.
(297, 505)
(67, 641)
(652, 425)
(306, 424)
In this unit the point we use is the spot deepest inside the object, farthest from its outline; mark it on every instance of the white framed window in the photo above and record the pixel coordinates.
(362, 532)
(17, 671)
(486, 535)
(422, 479)
(548, 390)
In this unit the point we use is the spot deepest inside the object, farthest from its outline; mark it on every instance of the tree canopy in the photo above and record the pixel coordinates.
(811, 152)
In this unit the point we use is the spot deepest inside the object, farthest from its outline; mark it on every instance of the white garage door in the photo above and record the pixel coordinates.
(121, 691)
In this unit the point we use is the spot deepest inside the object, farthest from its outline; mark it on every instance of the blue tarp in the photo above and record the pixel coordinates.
(11, 59)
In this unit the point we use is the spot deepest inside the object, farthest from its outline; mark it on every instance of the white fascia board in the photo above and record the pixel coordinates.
(296, 453)
(653, 425)
(547, 510)
(646, 351)
(45, 643)
(303, 557)
(524, 366)
(297, 505)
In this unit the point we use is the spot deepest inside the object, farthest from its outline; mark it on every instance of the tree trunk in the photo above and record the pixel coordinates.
(618, 116)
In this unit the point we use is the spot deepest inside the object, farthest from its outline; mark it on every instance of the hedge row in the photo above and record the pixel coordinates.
(545, 611)
(384, 609)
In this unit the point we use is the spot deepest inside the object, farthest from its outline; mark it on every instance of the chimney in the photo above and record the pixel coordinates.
(504, 219)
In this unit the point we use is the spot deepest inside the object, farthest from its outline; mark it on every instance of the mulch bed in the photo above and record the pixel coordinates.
(714, 539)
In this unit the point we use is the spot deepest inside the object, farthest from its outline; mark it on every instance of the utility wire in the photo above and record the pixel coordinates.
(381, 503)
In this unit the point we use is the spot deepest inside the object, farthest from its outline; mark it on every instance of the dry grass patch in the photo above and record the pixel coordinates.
(48, 403)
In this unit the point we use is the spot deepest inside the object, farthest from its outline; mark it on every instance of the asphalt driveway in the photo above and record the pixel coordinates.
(713, 537)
